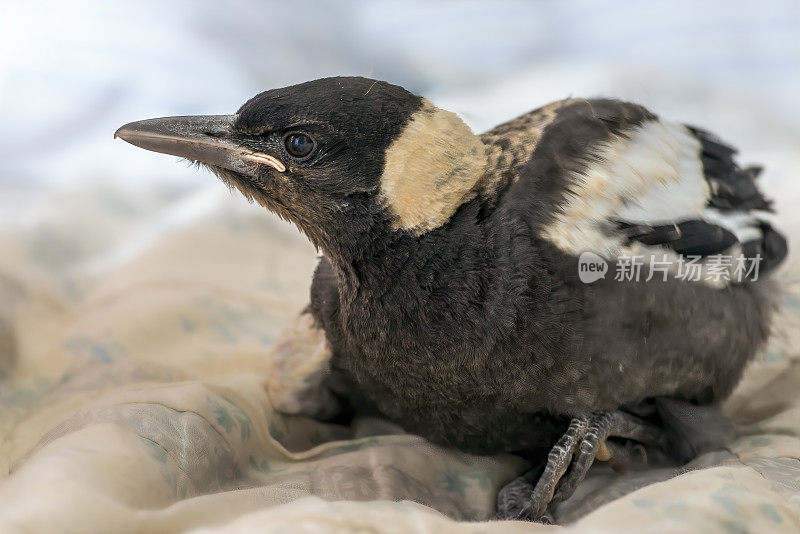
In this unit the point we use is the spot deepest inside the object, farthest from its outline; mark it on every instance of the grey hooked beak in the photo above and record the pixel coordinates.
(203, 138)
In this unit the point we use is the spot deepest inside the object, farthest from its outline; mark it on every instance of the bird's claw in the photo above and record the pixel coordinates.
(575, 450)
(514, 498)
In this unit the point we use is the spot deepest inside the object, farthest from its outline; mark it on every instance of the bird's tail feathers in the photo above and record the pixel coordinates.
(691, 429)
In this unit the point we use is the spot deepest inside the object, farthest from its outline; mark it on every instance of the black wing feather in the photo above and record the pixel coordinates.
(733, 189)
(689, 238)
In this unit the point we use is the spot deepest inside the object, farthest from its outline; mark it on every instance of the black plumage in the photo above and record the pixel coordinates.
(449, 291)
(689, 238)
(733, 188)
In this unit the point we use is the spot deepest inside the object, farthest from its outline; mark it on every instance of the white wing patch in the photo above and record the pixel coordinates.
(742, 224)
(653, 175)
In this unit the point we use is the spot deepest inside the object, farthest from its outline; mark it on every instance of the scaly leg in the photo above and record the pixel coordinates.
(534, 503)
(604, 425)
(581, 443)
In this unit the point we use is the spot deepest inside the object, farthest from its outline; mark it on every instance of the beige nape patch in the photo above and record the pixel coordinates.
(432, 168)
(299, 365)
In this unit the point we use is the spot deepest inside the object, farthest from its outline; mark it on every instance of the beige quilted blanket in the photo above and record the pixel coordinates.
(133, 334)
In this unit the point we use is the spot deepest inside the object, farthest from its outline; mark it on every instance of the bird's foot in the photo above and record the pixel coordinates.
(584, 440)
(514, 496)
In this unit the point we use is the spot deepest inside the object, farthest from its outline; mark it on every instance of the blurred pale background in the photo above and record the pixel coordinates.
(71, 72)
(139, 299)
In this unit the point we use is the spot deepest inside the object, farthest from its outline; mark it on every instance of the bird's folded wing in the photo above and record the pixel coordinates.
(636, 184)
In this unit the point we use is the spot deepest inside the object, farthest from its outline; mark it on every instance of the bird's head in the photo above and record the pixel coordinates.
(342, 158)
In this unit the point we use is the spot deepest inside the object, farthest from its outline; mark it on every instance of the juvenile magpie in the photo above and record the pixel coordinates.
(449, 294)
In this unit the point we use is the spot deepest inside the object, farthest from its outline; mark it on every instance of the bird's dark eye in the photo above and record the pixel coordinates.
(298, 145)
